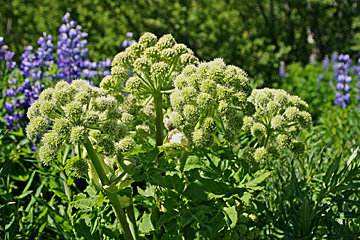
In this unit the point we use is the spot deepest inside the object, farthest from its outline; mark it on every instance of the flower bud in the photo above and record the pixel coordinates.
(166, 41)
(78, 134)
(73, 110)
(125, 144)
(148, 39)
(143, 130)
(108, 147)
(35, 127)
(278, 122)
(258, 130)
(201, 138)
(80, 167)
(261, 154)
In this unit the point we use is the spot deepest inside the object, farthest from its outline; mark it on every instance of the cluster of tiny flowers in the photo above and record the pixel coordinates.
(20, 97)
(312, 59)
(278, 119)
(148, 66)
(343, 79)
(77, 112)
(6, 57)
(325, 64)
(206, 94)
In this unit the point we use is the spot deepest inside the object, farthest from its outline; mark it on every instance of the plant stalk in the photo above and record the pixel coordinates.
(158, 118)
(112, 196)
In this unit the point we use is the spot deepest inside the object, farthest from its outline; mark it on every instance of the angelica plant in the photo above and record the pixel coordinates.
(278, 120)
(81, 115)
(148, 68)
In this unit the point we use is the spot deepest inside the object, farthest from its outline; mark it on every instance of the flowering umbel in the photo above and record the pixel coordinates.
(278, 119)
(74, 112)
(210, 93)
(148, 66)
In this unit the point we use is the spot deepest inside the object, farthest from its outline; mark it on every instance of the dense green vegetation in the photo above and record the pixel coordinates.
(173, 141)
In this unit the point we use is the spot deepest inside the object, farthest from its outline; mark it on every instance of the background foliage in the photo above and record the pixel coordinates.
(255, 35)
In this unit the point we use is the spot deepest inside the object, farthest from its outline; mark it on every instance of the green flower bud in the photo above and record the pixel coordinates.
(209, 125)
(247, 123)
(52, 140)
(180, 82)
(278, 122)
(182, 49)
(46, 108)
(108, 147)
(63, 127)
(116, 73)
(293, 130)
(34, 110)
(46, 94)
(64, 95)
(133, 84)
(80, 84)
(177, 100)
(80, 167)
(201, 138)
(298, 148)
(239, 99)
(261, 154)
(229, 135)
(91, 118)
(297, 102)
(249, 109)
(168, 54)
(281, 97)
(208, 86)
(148, 39)
(125, 144)
(204, 100)
(235, 123)
(78, 134)
(305, 119)
(215, 74)
(258, 130)
(123, 59)
(224, 109)
(261, 99)
(273, 106)
(191, 113)
(166, 41)
(104, 103)
(47, 155)
(223, 92)
(126, 118)
(83, 97)
(36, 126)
(110, 127)
(152, 53)
(143, 130)
(96, 134)
(159, 70)
(189, 94)
(283, 140)
(188, 58)
(73, 110)
(135, 50)
(142, 64)
(248, 154)
(292, 113)
(61, 84)
(177, 119)
(121, 132)
(189, 70)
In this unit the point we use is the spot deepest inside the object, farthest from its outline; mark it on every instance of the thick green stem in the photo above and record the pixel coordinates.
(105, 181)
(133, 227)
(158, 118)
(120, 215)
(96, 161)
(183, 157)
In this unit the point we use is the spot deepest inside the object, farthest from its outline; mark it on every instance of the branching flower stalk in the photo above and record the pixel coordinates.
(83, 115)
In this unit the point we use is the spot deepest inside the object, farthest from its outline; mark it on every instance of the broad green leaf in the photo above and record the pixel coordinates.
(232, 214)
(145, 225)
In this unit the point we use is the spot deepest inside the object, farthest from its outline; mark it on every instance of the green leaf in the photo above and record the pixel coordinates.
(145, 225)
(232, 214)
(6, 168)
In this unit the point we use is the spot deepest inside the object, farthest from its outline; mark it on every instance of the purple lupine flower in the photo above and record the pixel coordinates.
(343, 79)
(7, 56)
(312, 59)
(128, 42)
(9, 106)
(282, 72)
(325, 64)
